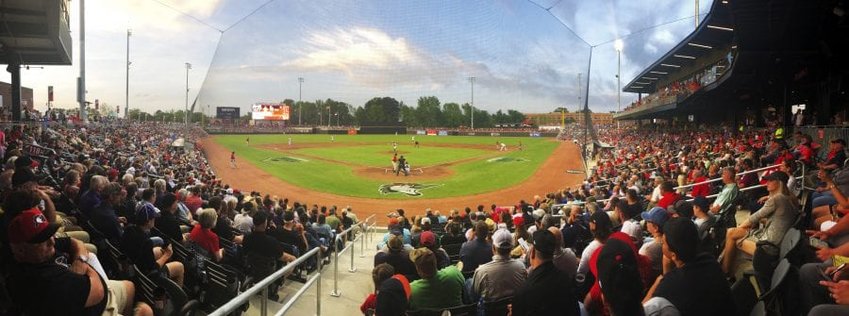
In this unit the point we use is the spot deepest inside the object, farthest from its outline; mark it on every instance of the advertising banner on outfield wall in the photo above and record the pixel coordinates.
(431, 132)
(534, 134)
(352, 131)
(443, 133)
(494, 134)
(420, 132)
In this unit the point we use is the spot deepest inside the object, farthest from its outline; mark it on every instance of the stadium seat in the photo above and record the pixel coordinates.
(116, 264)
(499, 307)
(223, 284)
(453, 251)
(783, 285)
(789, 243)
(163, 295)
(745, 293)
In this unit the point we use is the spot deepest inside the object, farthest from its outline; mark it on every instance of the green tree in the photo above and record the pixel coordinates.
(561, 109)
(409, 116)
(428, 112)
(381, 112)
(515, 117)
(452, 115)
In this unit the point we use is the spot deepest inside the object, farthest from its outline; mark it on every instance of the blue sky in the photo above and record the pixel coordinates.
(521, 55)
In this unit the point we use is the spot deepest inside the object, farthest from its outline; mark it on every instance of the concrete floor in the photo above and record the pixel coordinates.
(353, 287)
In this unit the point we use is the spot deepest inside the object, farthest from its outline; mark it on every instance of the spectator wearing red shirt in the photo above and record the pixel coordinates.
(202, 233)
(667, 195)
(193, 201)
(700, 189)
(806, 153)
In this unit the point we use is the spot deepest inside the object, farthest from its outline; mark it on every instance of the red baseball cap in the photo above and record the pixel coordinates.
(31, 226)
(427, 238)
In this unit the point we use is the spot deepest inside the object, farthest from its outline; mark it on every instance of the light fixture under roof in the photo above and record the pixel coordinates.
(721, 28)
(724, 1)
(684, 56)
(659, 72)
(649, 78)
(670, 65)
(642, 82)
(700, 45)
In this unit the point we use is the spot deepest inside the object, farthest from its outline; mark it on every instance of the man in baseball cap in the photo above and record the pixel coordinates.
(74, 288)
(655, 219)
(31, 226)
(500, 277)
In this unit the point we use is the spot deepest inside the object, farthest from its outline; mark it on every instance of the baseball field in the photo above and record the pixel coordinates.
(444, 171)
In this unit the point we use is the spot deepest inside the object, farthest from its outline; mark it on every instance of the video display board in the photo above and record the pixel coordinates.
(270, 112)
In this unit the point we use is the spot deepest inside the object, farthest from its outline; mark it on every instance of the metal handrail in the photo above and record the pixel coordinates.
(335, 292)
(313, 279)
(719, 179)
(365, 229)
(262, 285)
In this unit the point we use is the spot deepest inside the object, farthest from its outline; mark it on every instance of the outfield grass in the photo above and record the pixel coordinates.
(471, 176)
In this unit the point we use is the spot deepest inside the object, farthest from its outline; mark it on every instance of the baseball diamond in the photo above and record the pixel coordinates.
(352, 169)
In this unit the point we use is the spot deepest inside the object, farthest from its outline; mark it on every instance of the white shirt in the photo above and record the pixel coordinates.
(633, 229)
(244, 223)
(584, 265)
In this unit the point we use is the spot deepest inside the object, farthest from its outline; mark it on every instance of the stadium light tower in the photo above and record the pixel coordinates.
(472, 107)
(618, 44)
(127, 82)
(188, 67)
(300, 105)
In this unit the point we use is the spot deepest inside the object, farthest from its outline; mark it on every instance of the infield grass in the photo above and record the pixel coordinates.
(473, 170)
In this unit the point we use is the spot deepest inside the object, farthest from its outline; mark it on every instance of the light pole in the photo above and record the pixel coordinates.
(188, 66)
(618, 45)
(127, 87)
(300, 105)
(337, 118)
(472, 107)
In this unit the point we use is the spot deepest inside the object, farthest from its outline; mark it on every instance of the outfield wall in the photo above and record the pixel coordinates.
(388, 131)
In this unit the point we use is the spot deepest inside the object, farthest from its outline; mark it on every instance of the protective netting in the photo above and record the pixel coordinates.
(523, 55)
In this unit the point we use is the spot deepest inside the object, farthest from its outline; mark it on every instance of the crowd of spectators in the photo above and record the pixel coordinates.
(77, 197)
(646, 233)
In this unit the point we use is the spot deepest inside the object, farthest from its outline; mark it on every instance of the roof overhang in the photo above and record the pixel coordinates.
(35, 32)
(714, 32)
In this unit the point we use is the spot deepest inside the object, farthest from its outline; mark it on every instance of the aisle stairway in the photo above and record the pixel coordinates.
(353, 287)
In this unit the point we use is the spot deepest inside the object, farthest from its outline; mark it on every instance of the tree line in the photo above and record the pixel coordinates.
(379, 111)
(387, 111)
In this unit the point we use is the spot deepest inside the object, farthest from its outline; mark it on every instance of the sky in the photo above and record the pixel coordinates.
(524, 55)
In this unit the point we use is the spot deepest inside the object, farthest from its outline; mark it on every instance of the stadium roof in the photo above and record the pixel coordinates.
(35, 32)
(785, 49)
(714, 32)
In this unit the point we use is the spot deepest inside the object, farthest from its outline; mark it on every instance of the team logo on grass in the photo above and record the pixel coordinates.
(506, 159)
(411, 189)
(284, 159)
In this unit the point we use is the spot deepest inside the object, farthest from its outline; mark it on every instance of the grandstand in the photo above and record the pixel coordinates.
(726, 192)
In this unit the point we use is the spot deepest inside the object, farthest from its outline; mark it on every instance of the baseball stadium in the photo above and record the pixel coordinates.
(391, 158)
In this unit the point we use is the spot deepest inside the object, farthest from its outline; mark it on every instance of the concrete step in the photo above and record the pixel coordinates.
(353, 287)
